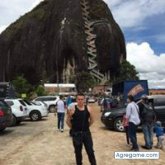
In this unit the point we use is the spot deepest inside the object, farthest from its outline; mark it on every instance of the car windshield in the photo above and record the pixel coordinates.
(22, 102)
(36, 103)
(27, 102)
(10, 103)
(47, 98)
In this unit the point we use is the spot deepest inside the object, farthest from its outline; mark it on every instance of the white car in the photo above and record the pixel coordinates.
(19, 110)
(36, 111)
(41, 103)
(51, 101)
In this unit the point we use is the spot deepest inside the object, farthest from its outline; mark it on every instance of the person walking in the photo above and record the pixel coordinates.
(148, 118)
(79, 119)
(132, 115)
(68, 100)
(60, 114)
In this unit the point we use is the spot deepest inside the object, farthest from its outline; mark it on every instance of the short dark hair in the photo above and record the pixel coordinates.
(130, 97)
(80, 94)
(61, 96)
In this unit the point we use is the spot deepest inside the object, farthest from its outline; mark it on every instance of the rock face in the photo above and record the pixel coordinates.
(58, 39)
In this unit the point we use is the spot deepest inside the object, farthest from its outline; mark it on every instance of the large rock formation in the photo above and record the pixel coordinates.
(60, 38)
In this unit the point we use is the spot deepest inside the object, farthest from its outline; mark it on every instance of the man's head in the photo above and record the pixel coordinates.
(80, 99)
(61, 97)
(130, 98)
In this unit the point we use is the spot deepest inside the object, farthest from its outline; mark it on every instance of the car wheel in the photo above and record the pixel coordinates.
(35, 115)
(52, 108)
(118, 126)
(14, 121)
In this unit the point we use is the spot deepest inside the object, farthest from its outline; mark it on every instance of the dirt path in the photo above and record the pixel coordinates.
(39, 143)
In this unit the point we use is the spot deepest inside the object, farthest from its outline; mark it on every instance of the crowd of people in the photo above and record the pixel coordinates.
(142, 113)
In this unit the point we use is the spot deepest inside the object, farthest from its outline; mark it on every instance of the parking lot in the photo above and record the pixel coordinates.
(39, 143)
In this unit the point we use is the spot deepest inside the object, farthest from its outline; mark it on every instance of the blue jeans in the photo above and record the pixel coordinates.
(148, 134)
(132, 135)
(60, 123)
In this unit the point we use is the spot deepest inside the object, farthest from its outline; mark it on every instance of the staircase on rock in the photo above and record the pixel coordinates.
(90, 43)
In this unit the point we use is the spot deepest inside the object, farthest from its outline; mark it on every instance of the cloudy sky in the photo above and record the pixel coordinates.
(143, 25)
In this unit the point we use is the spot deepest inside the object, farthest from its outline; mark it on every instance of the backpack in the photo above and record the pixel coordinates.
(148, 114)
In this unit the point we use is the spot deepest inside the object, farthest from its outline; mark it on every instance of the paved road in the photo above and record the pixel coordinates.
(39, 143)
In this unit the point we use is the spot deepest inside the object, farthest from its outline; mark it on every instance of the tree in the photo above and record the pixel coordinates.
(40, 90)
(127, 71)
(84, 81)
(22, 86)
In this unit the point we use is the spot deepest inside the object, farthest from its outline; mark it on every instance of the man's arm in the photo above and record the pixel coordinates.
(91, 119)
(68, 120)
(70, 112)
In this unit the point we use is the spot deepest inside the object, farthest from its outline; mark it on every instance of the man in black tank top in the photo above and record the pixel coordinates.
(79, 119)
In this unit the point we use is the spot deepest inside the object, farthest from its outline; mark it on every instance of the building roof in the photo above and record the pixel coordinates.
(60, 85)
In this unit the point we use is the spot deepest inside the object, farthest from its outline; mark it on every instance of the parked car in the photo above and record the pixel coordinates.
(159, 106)
(41, 103)
(19, 110)
(35, 111)
(112, 118)
(51, 101)
(5, 115)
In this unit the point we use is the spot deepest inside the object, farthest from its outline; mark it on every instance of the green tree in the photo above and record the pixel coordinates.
(40, 90)
(127, 71)
(22, 86)
(84, 81)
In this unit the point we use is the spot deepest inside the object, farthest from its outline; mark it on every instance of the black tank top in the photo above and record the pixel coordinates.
(80, 120)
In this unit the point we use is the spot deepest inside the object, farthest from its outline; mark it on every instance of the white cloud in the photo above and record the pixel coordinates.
(12, 10)
(147, 63)
(157, 84)
(131, 13)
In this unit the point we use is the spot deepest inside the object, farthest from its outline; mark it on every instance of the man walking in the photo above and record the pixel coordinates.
(79, 119)
(60, 114)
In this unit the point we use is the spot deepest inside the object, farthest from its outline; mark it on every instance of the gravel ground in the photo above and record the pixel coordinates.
(39, 143)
